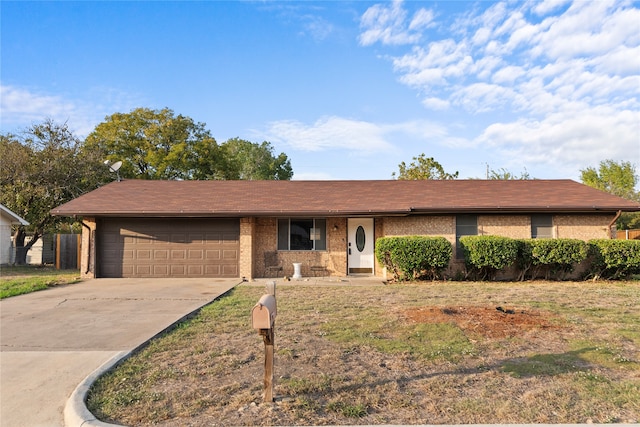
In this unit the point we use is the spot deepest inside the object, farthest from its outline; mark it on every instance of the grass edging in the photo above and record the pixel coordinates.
(21, 280)
(76, 413)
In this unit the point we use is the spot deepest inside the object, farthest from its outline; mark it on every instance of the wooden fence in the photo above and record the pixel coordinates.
(67, 251)
(628, 234)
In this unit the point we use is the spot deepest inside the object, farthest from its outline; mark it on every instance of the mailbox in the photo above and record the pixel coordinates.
(263, 314)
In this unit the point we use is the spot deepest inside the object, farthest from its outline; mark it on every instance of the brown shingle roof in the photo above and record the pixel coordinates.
(338, 198)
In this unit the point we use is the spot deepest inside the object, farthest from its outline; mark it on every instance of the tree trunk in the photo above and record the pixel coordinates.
(21, 249)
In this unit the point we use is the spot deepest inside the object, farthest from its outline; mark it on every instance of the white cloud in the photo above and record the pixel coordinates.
(328, 133)
(505, 49)
(554, 82)
(423, 18)
(483, 97)
(331, 133)
(389, 24)
(434, 103)
(622, 60)
(443, 60)
(548, 6)
(587, 28)
(568, 139)
(318, 27)
(21, 107)
(508, 74)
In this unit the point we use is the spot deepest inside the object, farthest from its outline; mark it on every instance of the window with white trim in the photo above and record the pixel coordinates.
(302, 234)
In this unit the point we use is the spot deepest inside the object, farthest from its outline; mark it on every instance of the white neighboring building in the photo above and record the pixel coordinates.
(7, 219)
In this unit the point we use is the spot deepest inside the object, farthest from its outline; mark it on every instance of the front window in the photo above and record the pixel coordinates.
(541, 226)
(466, 225)
(302, 234)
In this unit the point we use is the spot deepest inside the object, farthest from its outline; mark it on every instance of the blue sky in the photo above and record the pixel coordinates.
(347, 90)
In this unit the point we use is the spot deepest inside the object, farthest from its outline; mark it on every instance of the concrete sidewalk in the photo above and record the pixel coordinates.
(51, 340)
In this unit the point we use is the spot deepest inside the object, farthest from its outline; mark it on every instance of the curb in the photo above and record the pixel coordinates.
(75, 412)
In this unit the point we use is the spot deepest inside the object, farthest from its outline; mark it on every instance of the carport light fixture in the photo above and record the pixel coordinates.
(114, 167)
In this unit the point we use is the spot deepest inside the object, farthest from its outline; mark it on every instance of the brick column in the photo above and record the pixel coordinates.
(88, 249)
(247, 243)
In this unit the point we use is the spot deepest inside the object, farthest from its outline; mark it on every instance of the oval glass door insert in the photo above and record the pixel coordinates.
(360, 238)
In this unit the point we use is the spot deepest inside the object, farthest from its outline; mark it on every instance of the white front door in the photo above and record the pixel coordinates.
(360, 246)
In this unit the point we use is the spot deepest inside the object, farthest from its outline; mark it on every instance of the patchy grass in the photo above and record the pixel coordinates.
(25, 279)
(436, 353)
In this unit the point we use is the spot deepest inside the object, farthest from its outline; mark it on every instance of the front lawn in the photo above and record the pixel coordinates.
(432, 353)
(18, 280)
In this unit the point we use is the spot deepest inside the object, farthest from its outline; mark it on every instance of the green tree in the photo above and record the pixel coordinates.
(505, 175)
(423, 167)
(40, 170)
(157, 144)
(247, 160)
(613, 177)
(618, 178)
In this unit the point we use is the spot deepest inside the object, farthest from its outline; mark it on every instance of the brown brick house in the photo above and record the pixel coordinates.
(138, 228)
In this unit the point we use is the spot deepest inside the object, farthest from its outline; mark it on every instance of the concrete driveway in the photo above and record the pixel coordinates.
(51, 340)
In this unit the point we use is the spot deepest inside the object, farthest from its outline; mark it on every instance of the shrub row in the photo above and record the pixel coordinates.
(615, 259)
(414, 257)
(485, 256)
(421, 257)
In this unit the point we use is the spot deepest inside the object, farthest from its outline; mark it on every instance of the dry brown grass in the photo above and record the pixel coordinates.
(435, 353)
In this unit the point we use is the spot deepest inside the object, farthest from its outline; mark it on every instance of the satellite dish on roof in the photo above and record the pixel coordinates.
(114, 167)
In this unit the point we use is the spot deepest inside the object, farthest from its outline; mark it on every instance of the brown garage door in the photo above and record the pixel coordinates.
(168, 248)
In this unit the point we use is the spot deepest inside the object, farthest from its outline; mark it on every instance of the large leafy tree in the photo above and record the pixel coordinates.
(248, 160)
(423, 167)
(617, 178)
(157, 144)
(41, 169)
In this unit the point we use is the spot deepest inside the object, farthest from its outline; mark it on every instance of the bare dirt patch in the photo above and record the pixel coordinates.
(490, 322)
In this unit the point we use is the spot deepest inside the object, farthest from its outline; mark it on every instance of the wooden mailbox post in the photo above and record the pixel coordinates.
(263, 318)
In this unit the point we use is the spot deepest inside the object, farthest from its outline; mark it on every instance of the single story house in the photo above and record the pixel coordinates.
(141, 228)
(7, 220)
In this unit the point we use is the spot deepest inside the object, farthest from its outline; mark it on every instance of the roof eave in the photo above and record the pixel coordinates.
(231, 214)
(351, 213)
(525, 210)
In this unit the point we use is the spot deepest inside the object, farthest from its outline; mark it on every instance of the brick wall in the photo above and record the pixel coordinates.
(583, 227)
(514, 226)
(259, 235)
(420, 226)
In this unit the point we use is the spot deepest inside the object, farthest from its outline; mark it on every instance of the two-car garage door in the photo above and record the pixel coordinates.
(168, 247)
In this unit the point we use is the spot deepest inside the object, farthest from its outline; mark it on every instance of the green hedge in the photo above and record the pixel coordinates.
(553, 257)
(487, 255)
(614, 259)
(413, 257)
